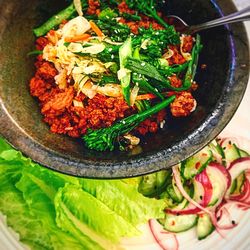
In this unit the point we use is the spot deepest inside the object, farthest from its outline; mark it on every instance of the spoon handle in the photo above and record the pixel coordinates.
(242, 15)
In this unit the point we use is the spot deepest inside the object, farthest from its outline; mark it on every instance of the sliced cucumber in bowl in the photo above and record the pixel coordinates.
(180, 223)
(196, 164)
(204, 226)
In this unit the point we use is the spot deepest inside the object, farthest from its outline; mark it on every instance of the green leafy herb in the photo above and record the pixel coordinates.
(145, 85)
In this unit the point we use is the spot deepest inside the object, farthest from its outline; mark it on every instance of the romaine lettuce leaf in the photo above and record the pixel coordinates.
(125, 200)
(4, 145)
(92, 217)
(14, 207)
(39, 187)
(22, 214)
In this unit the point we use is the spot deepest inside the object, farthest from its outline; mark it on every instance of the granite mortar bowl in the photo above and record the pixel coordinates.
(222, 86)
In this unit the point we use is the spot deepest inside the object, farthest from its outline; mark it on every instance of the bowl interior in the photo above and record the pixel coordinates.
(22, 120)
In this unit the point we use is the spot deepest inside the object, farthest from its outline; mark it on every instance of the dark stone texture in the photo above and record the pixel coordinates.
(222, 86)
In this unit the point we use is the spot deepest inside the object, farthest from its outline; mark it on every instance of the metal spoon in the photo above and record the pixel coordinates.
(242, 15)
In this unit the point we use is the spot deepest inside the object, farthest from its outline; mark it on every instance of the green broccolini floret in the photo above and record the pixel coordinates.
(107, 14)
(148, 8)
(107, 22)
(117, 32)
(105, 138)
(193, 63)
(131, 17)
(155, 41)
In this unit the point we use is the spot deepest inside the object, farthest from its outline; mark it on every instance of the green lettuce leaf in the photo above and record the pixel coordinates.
(131, 205)
(15, 208)
(29, 201)
(39, 194)
(4, 145)
(91, 217)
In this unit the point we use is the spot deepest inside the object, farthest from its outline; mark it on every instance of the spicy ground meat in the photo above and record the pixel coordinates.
(94, 7)
(41, 42)
(145, 22)
(46, 71)
(123, 8)
(183, 105)
(59, 102)
(188, 43)
(99, 112)
(177, 57)
(38, 87)
(175, 81)
(152, 124)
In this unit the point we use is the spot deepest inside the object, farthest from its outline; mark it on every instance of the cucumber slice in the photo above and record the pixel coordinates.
(198, 191)
(233, 186)
(204, 226)
(216, 147)
(180, 223)
(167, 199)
(154, 184)
(181, 205)
(184, 203)
(195, 164)
(243, 153)
(231, 151)
(239, 183)
(174, 192)
(219, 183)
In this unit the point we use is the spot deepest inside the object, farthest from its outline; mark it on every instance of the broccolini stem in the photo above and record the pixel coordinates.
(54, 21)
(105, 138)
(175, 69)
(57, 19)
(191, 71)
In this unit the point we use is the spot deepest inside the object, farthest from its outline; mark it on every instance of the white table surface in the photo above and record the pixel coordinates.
(245, 104)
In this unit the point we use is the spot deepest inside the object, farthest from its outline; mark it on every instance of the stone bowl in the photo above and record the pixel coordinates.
(222, 86)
